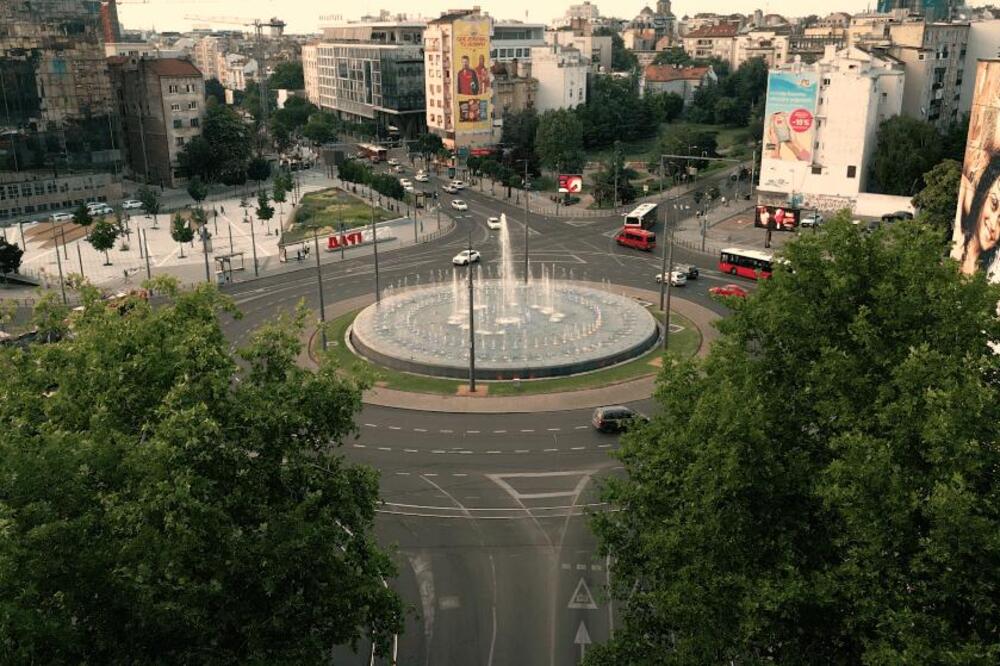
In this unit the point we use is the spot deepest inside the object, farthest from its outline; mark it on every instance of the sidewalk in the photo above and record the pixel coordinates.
(232, 233)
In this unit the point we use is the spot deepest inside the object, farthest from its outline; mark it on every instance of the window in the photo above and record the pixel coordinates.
(175, 107)
(920, 56)
(178, 123)
(180, 141)
(817, 171)
(192, 106)
(172, 88)
(852, 171)
(195, 122)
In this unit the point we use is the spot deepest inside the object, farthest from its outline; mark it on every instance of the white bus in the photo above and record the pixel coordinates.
(643, 217)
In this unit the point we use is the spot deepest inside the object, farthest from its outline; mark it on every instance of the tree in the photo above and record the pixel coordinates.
(215, 90)
(287, 75)
(936, 202)
(675, 55)
(10, 257)
(854, 521)
(229, 140)
(905, 149)
(103, 236)
(614, 111)
(685, 140)
(197, 190)
(150, 200)
(264, 209)
(281, 186)
(428, 144)
(230, 529)
(622, 60)
(258, 168)
(82, 216)
(612, 184)
(559, 141)
(320, 129)
(198, 159)
(669, 105)
(180, 231)
(518, 137)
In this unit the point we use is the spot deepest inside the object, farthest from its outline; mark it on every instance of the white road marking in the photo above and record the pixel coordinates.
(553, 429)
(523, 451)
(411, 451)
(359, 446)
(603, 446)
(438, 451)
(581, 567)
(371, 425)
(581, 427)
(529, 430)
(385, 448)
(493, 451)
(550, 450)
(394, 428)
(446, 431)
(499, 432)
(420, 430)
(459, 474)
(566, 565)
(577, 448)
(472, 432)
(402, 473)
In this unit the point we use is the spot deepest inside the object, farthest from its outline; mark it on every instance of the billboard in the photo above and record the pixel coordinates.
(790, 117)
(777, 217)
(570, 183)
(473, 77)
(977, 217)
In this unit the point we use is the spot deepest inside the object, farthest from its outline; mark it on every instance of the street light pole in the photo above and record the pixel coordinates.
(204, 248)
(472, 322)
(666, 312)
(253, 244)
(526, 185)
(62, 281)
(319, 286)
(664, 277)
(371, 199)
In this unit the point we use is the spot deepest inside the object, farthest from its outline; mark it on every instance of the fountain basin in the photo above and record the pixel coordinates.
(522, 331)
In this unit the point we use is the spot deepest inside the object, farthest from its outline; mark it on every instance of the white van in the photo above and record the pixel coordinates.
(62, 217)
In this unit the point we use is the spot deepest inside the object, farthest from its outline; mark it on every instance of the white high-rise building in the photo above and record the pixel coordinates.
(562, 77)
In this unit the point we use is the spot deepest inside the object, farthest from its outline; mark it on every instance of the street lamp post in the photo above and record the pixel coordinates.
(319, 286)
(526, 186)
(472, 322)
(204, 247)
(253, 244)
(371, 199)
(666, 311)
(62, 281)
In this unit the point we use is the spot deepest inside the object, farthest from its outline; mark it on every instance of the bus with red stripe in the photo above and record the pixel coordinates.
(751, 264)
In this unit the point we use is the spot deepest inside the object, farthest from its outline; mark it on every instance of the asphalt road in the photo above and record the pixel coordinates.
(487, 513)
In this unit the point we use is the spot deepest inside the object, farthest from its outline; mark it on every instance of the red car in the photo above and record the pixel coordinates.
(729, 290)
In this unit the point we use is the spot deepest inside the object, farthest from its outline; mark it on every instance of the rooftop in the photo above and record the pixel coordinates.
(721, 30)
(667, 73)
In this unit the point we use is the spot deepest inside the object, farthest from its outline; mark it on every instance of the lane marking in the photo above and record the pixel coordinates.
(550, 450)
(528, 430)
(459, 474)
(438, 451)
(446, 431)
(493, 451)
(522, 451)
(385, 448)
(420, 430)
(411, 451)
(581, 427)
(359, 446)
(471, 432)
(553, 429)
(499, 432)
(577, 448)
(604, 446)
(394, 428)
(371, 425)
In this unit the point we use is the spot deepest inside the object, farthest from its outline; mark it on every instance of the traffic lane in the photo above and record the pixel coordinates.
(585, 613)
(508, 423)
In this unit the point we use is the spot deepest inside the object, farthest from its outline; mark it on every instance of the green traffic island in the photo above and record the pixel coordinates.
(684, 343)
(324, 211)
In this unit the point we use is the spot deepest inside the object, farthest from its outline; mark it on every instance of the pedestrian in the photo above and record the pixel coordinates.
(222, 209)
(125, 273)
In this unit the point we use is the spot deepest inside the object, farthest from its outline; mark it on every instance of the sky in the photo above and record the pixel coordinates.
(303, 16)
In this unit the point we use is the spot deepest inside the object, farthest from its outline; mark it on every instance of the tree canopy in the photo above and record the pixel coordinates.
(559, 141)
(905, 149)
(622, 60)
(615, 112)
(222, 151)
(822, 488)
(10, 257)
(167, 500)
(287, 75)
(936, 203)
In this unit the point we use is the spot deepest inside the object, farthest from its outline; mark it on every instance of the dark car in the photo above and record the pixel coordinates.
(616, 418)
(898, 216)
(690, 270)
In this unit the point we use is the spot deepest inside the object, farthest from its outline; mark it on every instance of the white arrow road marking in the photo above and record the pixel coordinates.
(582, 639)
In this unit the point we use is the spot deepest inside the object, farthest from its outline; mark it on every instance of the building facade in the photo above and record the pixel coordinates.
(310, 71)
(514, 40)
(769, 44)
(458, 82)
(711, 41)
(57, 111)
(207, 54)
(597, 47)
(562, 77)
(162, 104)
(827, 166)
(934, 55)
(683, 81)
(237, 70)
(984, 44)
(514, 89)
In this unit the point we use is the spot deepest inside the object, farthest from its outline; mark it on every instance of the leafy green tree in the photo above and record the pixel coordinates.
(181, 232)
(103, 236)
(168, 500)
(685, 140)
(428, 145)
(10, 257)
(905, 149)
(82, 216)
(822, 488)
(287, 75)
(936, 203)
(198, 159)
(612, 184)
(701, 109)
(258, 168)
(215, 90)
(294, 115)
(265, 211)
(615, 112)
(197, 190)
(559, 141)
(150, 200)
(281, 186)
(321, 128)
(669, 106)
(229, 139)
(672, 56)
(730, 111)
(622, 60)
(518, 138)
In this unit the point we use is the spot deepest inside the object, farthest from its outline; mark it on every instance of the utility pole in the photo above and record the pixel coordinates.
(526, 186)
(145, 235)
(666, 311)
(79, 258)
(62, 281)
(319, 286)
(472, 322)
(664, 277)
(204, 247)
(253, 244)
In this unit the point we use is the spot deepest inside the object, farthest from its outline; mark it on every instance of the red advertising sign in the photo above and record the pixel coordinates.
(800, 120)
(776, 217)
(570, 183)
(344, 240)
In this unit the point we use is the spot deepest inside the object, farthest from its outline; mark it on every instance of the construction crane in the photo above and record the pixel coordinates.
(276, 26)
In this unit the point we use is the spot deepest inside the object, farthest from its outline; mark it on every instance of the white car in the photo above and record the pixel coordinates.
(450, 189)
(421, 177)
(131, 204)
(392, 162)
(458, 204)
(677, 279)
(405, 181)
(465, 257)
(811, 220)
(409, 188)
(100, 209)
(458, 185)
(62, 217)
(493, 222)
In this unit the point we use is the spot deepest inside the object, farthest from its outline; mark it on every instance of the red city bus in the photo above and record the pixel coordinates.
(373, 152)
(746, 263)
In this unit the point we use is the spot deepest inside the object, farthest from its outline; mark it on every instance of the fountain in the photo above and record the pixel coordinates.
(545, 328)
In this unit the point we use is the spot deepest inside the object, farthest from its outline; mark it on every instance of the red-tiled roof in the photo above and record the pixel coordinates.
(667, 73)
(721, 30)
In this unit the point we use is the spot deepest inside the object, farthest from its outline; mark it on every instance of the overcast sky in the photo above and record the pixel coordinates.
(303, 16)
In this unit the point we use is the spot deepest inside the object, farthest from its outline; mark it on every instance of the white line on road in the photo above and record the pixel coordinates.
(371, 425)
(471, 432)
(529, 430)
(446, 431)
(550, 450)
(523, 451)
(553, 429)
(459, 474)
(581, 427)
(394, 428)
(411, 451)
(499, 432)
(493, 451)
(577, 448)
(438, 451)
(385, 448)
(359, 446)
(420, 430)
(603, 446)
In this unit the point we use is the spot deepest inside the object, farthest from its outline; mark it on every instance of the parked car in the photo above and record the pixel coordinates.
(729, 290)
(898, 216)
(100, 210)
(616, 418)
(421, 177)
(640, 239)
(131, 204)
(465, 257)
(458, 204)
(690, 270)
(677, 279)
(493, 222)
(810, 220)
(62, 217)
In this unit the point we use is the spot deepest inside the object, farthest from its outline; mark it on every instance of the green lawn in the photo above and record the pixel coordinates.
(732, 142)
(684, 343)
(326, 209)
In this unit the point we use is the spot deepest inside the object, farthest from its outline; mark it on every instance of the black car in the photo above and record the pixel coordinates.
(690, 270)
(615, 418)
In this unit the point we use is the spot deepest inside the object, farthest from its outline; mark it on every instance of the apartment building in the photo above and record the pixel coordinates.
(984, 44)
(818, 149)
(935, 56)
(712, 41)
(562, 77)
(683, 81)
(458, 80)
(769, 44)
(583, 39)
(514, 40)
(161, 102)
